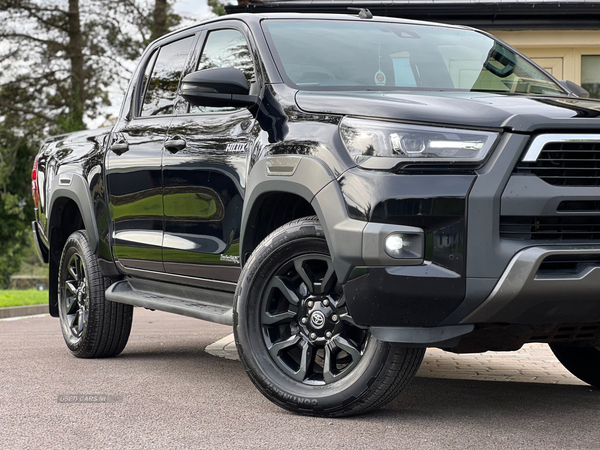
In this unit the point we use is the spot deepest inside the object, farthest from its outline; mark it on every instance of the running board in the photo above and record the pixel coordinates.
(175, 299)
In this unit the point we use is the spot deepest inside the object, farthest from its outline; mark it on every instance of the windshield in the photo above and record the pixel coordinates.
(348, 55)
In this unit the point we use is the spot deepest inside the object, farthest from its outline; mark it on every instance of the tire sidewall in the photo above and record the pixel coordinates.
(281, 246)
(77, 243)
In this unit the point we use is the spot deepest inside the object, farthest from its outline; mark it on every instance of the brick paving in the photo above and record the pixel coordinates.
(534, 363)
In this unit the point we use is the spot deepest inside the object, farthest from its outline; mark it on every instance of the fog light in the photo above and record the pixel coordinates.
(404, 245)
(393, 244)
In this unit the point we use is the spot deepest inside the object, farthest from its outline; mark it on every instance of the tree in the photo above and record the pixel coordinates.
(16, 209)
(159, 16)
(136, 23)
(60, 76)
(217, 7)
(58, 59)
(62, 57)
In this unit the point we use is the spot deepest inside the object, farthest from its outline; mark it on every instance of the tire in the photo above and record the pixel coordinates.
(294, 335)
(583, 362)
(92, 326)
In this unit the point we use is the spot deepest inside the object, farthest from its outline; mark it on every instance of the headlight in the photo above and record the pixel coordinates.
(377, 144)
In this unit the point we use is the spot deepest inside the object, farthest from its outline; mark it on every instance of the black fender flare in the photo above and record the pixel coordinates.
(74, 187)
(311, 179)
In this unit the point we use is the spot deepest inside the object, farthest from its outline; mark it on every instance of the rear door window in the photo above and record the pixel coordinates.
(162, 88)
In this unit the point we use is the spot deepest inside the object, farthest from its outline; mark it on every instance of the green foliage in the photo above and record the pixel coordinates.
(23, 298)
(146, 21)
(58, 59)
(52, 51)
(16, 208)
(217, 7)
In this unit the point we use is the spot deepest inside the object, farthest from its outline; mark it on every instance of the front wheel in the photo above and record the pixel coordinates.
(92, 326)
(583, 362)
(296, 338)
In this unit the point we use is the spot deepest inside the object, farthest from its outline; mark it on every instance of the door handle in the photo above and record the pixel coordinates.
(119, 147)
(176, 144)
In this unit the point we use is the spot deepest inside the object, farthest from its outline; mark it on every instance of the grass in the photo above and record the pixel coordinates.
(23, 298)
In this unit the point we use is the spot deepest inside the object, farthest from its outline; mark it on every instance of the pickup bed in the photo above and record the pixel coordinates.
(344, 191)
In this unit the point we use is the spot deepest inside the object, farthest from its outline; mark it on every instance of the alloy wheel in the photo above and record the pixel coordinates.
(306, 326)
(74, 299)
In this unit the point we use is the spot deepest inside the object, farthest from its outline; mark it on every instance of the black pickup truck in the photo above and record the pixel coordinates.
(345, 191)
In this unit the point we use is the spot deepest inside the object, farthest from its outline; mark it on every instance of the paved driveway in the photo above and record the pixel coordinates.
(165, 391)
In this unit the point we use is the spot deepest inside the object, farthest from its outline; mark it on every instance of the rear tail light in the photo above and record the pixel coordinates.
(35, 191)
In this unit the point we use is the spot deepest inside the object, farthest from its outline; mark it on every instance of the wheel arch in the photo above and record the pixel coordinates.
(70, 210)
(311, 180)
(275, 197)
(73, 187)
(285, 206)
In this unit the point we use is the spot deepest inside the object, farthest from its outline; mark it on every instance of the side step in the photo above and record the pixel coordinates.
(214, 306)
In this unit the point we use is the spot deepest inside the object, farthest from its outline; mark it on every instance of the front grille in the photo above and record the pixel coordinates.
(550, 228)
(566, 164)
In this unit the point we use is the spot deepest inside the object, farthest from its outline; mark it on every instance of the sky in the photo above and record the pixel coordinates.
(196, 9)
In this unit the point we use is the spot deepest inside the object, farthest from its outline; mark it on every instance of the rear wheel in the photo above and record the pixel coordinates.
(583, 362)
(296, 338)
(92, 326)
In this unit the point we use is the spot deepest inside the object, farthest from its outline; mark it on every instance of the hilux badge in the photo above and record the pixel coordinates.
(236, 148)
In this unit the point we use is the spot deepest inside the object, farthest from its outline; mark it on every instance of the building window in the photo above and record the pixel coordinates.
(590, 74)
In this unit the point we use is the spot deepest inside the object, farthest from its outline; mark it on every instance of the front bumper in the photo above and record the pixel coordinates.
(471, 274)
(528, 293)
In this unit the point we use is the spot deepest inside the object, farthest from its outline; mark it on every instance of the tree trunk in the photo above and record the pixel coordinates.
(159, 25)
(75, 55)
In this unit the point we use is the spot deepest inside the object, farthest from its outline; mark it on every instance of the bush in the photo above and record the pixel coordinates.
(16, 208)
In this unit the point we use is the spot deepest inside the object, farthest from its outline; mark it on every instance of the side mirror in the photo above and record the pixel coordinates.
(575, 89)
(217, 87)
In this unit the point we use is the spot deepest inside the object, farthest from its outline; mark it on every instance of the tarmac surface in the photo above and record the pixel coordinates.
(166, 391)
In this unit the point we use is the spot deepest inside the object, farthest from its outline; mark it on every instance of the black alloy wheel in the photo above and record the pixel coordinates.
(306, 326)
(74, 305)
(297, 339)
(92, 326)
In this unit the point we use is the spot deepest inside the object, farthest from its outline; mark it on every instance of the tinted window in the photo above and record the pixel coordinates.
(225, 48)
(162, 88)
(344, 55)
